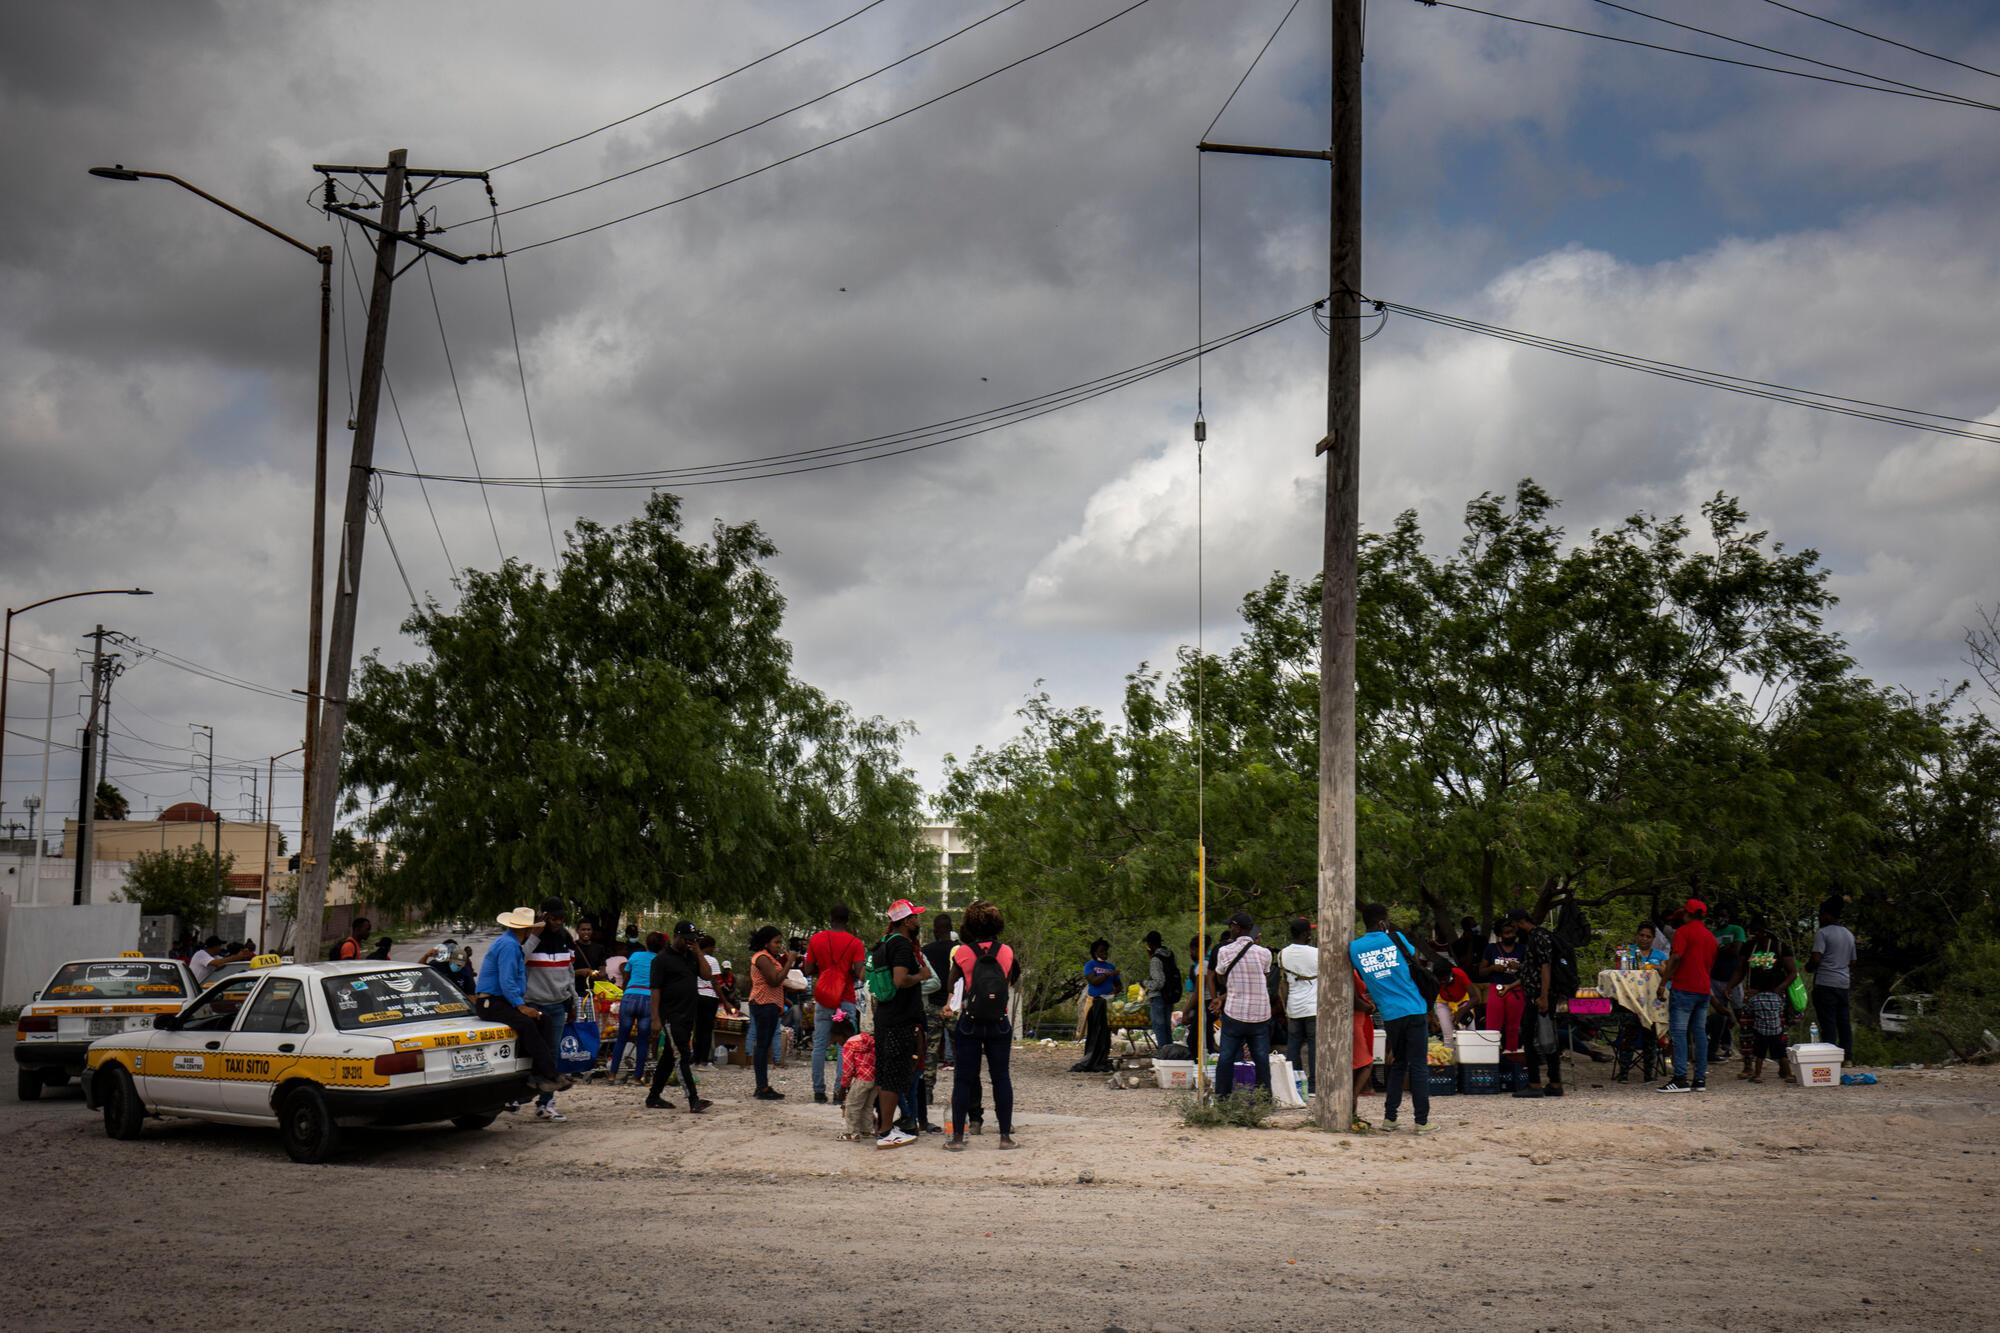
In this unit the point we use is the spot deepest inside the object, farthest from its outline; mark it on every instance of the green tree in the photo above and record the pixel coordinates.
(110, 803)
(627, 729)
(180, 882)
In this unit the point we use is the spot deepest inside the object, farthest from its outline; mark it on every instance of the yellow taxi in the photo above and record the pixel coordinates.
(309, 1049)
(89, 998)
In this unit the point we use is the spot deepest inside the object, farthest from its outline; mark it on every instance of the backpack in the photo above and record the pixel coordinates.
(1562, 968)
(881, 978)
(1170, 987)
(986, 986)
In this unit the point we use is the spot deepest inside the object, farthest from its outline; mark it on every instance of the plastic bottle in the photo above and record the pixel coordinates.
(1812, 1034)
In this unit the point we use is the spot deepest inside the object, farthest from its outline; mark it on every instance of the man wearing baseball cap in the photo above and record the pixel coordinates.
(898, 1019)
(678, 971)
(1687, 977)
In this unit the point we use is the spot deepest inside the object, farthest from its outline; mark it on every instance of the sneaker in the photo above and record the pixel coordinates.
(1700, 1085)
(657, 1104)
(895, 1138)
(1387, 1127)
(1674, 1085)
(549, 1113)
(819, 1099)
(1556, 1090)
(511, 1107)
(929, 1128)
(698, 1105)
(768, 1095)
(1423, 1128)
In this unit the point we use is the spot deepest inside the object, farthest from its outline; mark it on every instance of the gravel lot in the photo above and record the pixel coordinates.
(1750, 1208)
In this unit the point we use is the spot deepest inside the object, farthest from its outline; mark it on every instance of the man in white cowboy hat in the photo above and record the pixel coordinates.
(501, 996)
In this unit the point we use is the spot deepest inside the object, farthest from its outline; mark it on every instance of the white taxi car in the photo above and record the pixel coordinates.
(310, 1048)
(86, 999)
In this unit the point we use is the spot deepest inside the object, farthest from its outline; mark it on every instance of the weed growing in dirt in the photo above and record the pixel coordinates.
(1244, 1110)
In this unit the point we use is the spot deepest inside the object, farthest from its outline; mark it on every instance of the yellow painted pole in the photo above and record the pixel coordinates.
(1198, 1020)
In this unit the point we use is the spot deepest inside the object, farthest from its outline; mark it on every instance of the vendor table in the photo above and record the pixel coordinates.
(1637, 993)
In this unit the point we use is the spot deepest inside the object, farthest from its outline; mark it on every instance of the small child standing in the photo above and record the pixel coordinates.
(857, 1076)
(1767, 1032)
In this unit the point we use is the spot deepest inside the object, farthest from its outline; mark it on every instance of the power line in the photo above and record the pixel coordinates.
(1911, 418)
(463, 419)
(1251, 70)
(207, 673)
(838, 139)
(1948, 99)
(896, 443)
(381, 521)
(776, 115)
(521, 366)
(700, 87)
(1876, 36)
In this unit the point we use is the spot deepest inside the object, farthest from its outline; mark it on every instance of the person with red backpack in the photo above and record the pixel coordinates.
(982, 972)
(834, 958)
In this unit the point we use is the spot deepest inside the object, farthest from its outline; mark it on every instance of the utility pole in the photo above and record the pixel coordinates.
(113, 669)
(322, 788)
(86, 800)
(209, 798)
(1333, 1107)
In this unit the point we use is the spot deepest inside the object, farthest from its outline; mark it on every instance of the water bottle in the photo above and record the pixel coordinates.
(1812, 1033)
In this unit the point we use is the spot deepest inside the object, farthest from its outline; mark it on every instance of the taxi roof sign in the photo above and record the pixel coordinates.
(131, 953)
(266, 960)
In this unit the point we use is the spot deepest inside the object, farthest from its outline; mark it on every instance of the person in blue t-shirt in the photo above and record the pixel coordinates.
(1101, 980)
(1383, 958)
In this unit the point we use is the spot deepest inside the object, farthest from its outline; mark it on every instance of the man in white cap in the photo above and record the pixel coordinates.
(501, 996)
(899, 1019)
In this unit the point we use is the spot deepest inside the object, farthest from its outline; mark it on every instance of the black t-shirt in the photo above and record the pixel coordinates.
(590, 957)
(907, 1004)
(938, 953)
(674, 978)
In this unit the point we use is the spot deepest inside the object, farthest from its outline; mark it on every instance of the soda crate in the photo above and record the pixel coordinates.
(1479, 1080)
(1443, 1080)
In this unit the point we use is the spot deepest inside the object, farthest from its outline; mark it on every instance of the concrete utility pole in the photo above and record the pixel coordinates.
(1333, 1107)
(322, 788)
(86, 798)
(209, 799)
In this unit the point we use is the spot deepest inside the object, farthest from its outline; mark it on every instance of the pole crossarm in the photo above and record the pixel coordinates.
(327, 169)
(1252, 150)
(408, 238)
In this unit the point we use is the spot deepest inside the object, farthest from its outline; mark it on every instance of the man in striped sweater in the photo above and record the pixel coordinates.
(552, 986)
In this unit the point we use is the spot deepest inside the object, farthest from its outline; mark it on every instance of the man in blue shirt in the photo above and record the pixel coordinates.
(1384, 959)
(501, 996)
(1101, 980)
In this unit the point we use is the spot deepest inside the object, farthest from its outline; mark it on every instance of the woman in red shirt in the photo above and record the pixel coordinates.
(1454, 990)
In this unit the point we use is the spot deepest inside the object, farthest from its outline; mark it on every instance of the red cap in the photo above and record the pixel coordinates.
(1696, 907)
(902, 909)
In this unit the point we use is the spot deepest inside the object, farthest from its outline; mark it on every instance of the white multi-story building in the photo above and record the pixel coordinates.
(950, 879)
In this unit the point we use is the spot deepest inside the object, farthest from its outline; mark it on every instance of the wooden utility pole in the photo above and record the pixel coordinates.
(323, 775)
(315, 612)
(86, 797)
(1333, 1107)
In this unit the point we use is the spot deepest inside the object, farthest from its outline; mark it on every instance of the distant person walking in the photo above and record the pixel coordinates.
(901, 968)
(1100, 982)
(1385, 964)
(982, 976)
(834, 959)
(1242, 971)
(1687, 980)
(501, 996)
(675, 971)
(1298, 964)
(768, 963)
(1832, 965)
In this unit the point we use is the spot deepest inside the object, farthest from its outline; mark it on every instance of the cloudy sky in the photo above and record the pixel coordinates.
(156, 355)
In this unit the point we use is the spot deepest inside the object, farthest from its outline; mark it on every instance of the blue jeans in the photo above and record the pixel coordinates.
(763, 1032)
(635, 1021)
(1687, 1016)
(1236, 1035)
(995, 1041)
(1161, 1011)
(823, 1037)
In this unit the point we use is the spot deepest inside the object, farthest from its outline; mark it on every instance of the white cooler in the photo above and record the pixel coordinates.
(1381, 1046)
(1815, 1064)
(1476, 1047)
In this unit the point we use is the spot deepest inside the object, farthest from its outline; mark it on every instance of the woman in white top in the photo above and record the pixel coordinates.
(1298, 962)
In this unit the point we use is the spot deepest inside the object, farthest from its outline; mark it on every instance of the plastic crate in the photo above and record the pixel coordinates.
(1443, 1080)
(1513, 1077)
(1478, 1080)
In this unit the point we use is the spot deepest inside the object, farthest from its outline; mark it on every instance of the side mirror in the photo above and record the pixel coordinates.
(36, 996)
(167, 1022)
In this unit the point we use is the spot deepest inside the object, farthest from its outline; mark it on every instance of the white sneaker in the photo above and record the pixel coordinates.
(549, 1112)
(895, 1138)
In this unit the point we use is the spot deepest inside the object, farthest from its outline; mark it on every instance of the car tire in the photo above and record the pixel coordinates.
(28, 1084)
(477, 1120)
(123, 1111)
(307, 1126)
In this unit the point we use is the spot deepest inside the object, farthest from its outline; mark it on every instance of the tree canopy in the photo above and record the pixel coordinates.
(627, 729)
(1650, 712)
(110, 803)
(179, 882)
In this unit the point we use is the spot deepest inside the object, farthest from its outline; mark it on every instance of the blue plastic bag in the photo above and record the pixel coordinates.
(581, 1042)
(1857, 1080)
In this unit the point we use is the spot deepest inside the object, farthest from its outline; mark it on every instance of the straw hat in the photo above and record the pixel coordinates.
(521, 918)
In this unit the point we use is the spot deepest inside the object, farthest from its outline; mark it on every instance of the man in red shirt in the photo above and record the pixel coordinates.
(834, 960)
(1687, 977)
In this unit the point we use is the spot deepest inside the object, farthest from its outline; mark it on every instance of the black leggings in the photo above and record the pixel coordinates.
(679, 1033)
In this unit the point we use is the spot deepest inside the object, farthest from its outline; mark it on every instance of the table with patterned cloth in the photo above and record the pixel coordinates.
(1637, 993)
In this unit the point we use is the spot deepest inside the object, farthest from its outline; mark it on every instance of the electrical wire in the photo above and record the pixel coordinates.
(1911, 418)
(209, 673)
(521, 365)
(1876, 36)
(759, 124)
(1948, 99)
(838, 139)
(1251, 70)
(690, 92)
(463, 419)
(375, 503)
(882, 446)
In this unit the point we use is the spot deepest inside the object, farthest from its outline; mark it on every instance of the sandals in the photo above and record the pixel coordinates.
(1359, 1126)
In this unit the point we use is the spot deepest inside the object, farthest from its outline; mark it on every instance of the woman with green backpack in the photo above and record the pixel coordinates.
(896, 973)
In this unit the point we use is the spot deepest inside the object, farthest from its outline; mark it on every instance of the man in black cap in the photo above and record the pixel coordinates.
(678, 971)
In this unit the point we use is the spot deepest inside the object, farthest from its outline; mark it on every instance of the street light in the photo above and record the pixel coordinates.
(7, 647)
(264, 875)
(324, 254)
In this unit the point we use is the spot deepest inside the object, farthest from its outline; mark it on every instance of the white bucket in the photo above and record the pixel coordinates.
(1476, 1047)
(1174, 1075)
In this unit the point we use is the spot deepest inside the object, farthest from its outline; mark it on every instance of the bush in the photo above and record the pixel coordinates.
(182, 882)
(1244, 1110)
(1967, 1007)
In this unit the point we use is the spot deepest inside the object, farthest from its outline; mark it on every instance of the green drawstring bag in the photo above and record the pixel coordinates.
(1800, 1000)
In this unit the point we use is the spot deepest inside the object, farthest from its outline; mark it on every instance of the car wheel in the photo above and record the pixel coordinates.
(307, 1126)
(123, 1112)
(28, 1084)
(479, 1120)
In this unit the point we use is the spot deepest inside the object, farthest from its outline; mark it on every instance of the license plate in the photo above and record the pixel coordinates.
(465, 1062)
(104, 1027)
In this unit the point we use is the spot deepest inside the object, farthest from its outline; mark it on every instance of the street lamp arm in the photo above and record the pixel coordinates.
(122, 173)
(92, 592)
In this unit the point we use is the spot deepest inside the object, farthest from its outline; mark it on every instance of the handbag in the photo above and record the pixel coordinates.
(1545, 1034)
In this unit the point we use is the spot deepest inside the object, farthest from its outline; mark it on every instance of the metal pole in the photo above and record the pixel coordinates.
(318, 598)
(1333, 1108)
(264, 867)
(86, 803)
(48, 737)
(325, 782)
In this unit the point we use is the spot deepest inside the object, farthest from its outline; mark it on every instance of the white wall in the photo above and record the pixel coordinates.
(34, 941)
(58, 880)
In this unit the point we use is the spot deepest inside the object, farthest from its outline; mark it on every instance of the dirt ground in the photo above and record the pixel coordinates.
(1747, 1207)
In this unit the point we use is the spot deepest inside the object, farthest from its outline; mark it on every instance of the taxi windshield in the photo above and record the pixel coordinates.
(366, 1001)
(123, 979)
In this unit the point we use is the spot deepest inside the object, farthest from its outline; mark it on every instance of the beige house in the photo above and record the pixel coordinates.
(189, 824)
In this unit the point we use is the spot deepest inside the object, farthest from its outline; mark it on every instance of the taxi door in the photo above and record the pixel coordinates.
(183, 1069)
(267, 1041)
